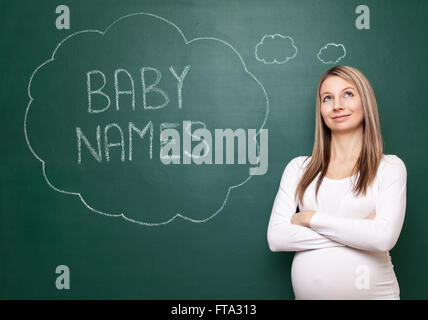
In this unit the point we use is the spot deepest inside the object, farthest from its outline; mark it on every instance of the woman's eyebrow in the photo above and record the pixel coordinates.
(341, 90)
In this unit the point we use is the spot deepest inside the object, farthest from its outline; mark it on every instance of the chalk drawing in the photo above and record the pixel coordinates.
(153, 88)
(331, 53)
(98, 91)
(119, 92)
(284, 44)
(81, 137)
(109, 144)
(180, 80)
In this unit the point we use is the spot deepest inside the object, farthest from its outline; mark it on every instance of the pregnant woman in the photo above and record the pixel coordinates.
(342, 208)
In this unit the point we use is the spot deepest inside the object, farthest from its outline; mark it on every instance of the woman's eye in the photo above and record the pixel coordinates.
(326, 97)
(347, 94)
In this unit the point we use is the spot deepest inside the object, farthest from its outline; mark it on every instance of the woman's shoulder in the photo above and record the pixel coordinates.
(392, 164)
(389, 164)
(392, 160)
(299, 162)
(294, 168)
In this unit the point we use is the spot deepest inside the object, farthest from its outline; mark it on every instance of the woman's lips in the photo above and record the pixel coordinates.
(341, 118)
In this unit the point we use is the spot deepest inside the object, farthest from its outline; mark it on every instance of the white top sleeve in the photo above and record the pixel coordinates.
(281, 234)
(381, 233)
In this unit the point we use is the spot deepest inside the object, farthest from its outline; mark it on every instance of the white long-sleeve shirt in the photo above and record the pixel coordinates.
(338, 227)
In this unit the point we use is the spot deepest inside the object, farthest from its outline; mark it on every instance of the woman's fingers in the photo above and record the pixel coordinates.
(372, 215)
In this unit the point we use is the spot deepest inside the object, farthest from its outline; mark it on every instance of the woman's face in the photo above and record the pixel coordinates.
(340, 97)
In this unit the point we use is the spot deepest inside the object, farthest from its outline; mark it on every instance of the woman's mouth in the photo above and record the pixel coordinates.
(341, 118)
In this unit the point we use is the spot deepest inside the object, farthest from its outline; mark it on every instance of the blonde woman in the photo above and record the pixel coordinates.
(342, 208)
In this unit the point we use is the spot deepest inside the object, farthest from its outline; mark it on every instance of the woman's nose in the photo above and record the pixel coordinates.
(337, 104)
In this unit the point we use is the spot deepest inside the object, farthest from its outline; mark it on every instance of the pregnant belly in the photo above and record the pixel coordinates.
(343, 273)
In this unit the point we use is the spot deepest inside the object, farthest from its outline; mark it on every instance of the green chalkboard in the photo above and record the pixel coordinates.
(144, 141)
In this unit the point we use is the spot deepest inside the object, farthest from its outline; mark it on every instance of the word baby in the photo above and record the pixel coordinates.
(171, 139)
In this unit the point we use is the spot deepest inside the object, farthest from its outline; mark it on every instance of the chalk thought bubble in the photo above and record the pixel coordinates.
(275, 49)
(331, 53)
(105, 106)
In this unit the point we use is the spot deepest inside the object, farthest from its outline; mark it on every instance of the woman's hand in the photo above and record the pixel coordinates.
(371, 216)
(303, 218)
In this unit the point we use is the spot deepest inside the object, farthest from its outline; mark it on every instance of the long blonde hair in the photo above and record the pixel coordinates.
(372, 146)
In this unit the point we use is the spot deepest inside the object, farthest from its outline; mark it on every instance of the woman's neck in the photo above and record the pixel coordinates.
(346, 146)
